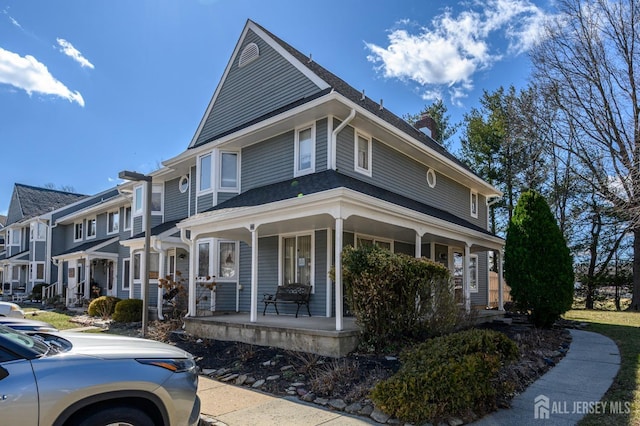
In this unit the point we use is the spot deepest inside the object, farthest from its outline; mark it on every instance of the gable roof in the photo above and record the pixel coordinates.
(3, 221)
(331, 179)
(159, 229)
(30, 201)
(332, 83)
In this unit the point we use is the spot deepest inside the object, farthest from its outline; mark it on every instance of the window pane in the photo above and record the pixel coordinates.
(473, 272)
(205, 172)
(15, 237)
(203, 259)
(127, 218)
(126, 266)
(304, 259)
(363, 153)
(136, 267)
(156, 200)
(227, 260)
(114, 221)
(384, 245)
(289, 257)
(304, 149)
(138, 199)
(40, 271)
(154, 266)
(229, 172)
(91, 228)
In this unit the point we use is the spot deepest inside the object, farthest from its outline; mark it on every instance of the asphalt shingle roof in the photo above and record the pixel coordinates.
(88, 246)
(159, 229)
(330, 179)
(35, 201)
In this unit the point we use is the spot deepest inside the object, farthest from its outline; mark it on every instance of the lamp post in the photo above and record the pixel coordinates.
(139, 177)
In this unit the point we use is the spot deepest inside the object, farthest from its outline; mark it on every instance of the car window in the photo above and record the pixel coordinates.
(24, 340)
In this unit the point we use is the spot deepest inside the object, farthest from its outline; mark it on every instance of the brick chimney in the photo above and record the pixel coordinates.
(427, 125)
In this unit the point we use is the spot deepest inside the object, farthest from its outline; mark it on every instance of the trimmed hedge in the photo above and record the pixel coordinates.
(128, 310)
(102, 306)
(446, 377)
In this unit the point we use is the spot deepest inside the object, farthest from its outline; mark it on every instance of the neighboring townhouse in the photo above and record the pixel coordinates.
(290, 164)
(27, 235)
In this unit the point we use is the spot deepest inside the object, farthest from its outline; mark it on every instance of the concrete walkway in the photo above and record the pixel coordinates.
(565, 393)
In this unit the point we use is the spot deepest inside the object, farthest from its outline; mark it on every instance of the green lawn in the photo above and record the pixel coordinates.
(624, 329)
(58, 320)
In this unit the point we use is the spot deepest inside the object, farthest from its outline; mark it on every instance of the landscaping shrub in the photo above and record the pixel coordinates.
(446, 377)
(102, 306)
(128, 310)
(396, 297)
(36, 293)
(537, 262)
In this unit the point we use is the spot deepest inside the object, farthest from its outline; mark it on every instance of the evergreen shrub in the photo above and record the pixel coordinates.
(445, 377)
(128, 310)
(102, 306)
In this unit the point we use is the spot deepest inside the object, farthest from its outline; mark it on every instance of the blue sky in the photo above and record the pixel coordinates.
(89, 88)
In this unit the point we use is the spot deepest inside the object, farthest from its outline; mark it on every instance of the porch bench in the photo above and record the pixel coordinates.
(295, 293)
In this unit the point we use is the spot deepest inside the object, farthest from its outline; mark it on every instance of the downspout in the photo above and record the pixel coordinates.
(496, 256)
(334, 138)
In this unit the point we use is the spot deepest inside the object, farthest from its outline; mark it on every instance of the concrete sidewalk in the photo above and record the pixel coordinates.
(565, 392)
(569, 390)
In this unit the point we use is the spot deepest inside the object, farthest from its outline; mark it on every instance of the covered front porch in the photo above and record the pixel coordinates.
(301, 237)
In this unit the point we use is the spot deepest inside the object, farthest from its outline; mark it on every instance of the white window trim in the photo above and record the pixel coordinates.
(296, 150)
(135, 212)
(125, 278)
(126, 226)
(473, 194)
(431, 178)
(88, 225)
(235, 260)
(357, 168)
(14, 231)
(33, 229)
(111, 232)
(374, 239)
(219, 172)
(199, 190)
(154, 188)
(75, 234)
(211, 261)
(471, 289)
(33, 271)
(184, 180)
(281, 237)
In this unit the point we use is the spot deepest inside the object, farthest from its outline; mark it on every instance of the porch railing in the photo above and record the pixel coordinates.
(49, 292)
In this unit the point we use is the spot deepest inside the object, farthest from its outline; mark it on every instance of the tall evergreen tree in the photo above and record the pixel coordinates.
(537, 264)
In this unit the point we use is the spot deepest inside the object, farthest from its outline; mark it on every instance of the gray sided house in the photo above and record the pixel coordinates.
(27, 236)
(290, 164)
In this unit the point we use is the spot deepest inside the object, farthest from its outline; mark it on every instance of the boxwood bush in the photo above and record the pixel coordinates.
(102, 306)
(446, 377)
(128, 310)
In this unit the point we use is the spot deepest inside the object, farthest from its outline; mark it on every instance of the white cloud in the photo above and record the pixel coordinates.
(68, 49)
(30, 75)
(445, 55)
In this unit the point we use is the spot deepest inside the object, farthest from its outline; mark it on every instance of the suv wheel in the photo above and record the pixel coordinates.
(117, 416)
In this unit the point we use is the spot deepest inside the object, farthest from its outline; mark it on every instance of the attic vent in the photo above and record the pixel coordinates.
(249, 54)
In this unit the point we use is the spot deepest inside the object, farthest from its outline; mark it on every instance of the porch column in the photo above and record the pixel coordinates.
(59, 286)
(500, 280)
(339, 307)
(161, 275)
(193, 272)
(467, 278)
(418, 245)
(87, 278)
(254, 274)
(329, 263)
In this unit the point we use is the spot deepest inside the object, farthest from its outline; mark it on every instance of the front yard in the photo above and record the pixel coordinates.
(624, 329)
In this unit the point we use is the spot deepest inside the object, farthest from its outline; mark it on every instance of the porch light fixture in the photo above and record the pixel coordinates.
(139, 177)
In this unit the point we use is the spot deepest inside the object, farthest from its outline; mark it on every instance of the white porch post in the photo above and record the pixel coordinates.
(339, 303)
(418, 245)
(467, 278)
(132, 263)
(254, 274)
(87, 278)
(161, 275)
(329, 263)
(500, 280)
(193, 272)
(60, 270)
